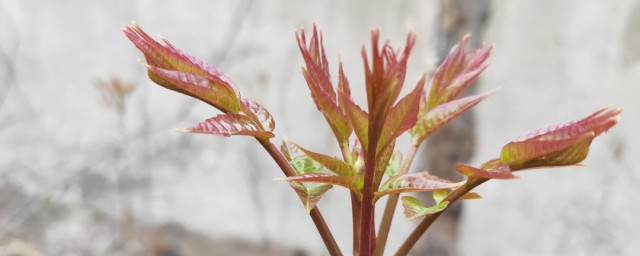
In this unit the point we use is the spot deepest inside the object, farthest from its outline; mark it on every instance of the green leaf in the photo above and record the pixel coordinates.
(310, 196)
(333, 164)
(415, 182)
(300, 162)
(394, 164)
(354, 183)
(414, 209)
(227, 125)
(259, 114)
(382, 164)
(442, 114)
(440, 194)
(492, 169)
(402, 116)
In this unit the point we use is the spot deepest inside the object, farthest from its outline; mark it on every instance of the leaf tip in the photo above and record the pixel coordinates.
(182, 130)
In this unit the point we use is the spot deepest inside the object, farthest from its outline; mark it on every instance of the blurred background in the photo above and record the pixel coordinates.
(89, 164)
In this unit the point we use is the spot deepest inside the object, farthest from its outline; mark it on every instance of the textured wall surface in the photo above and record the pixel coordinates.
(73, 170)
(556, 60)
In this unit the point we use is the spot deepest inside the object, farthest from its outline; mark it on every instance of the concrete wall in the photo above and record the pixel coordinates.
(64, 151)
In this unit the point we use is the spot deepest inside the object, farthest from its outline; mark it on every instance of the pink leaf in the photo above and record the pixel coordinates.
(229, 124)
(316, 74)
(359, 120)
(202, 88)
(402, 116)
(442, 114)
(558, 145)
(415, 182)
(260, 114)
(384, 80)
(168, 57)
(458, 70)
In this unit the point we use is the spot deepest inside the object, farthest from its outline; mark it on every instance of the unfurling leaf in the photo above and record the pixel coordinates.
(385, 77)
(442, 114)
(333, 164)
(316, 74)
(394, 164)
(310, 196)
(415, 182)
(354, 183)
(175, 70)
(471, 196)
(402, 116)
(260, 114)
(382, 163)
(458, 70)
(492, 169)
(358, 118)
(414, 209)
(227, 125)
(384, 80)
(559, 145)
(300, 162)
(441, 194)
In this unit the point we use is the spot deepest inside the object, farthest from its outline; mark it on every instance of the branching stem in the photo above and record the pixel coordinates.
(429, 219)
(315, 214)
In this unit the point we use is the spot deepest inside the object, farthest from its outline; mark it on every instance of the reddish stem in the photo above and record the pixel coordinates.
(429, 219)
(367, 237)
(315, 214)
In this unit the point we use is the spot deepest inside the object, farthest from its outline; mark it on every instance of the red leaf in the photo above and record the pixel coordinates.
(415, 182)
(229, 124)
(558, 145)
(359, 120)
(442, 114)
(402, 116)
(458, 70)
(259, 114)
(322, 92)
(216, 94)
(384, 79)
(492, 169)
(168, 57)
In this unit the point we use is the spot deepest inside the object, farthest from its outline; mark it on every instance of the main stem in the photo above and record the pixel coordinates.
(367, 235)
(429, 219)
(390, 208)
(315, 214)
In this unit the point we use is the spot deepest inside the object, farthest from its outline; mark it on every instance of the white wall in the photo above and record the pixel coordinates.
(555, 61)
